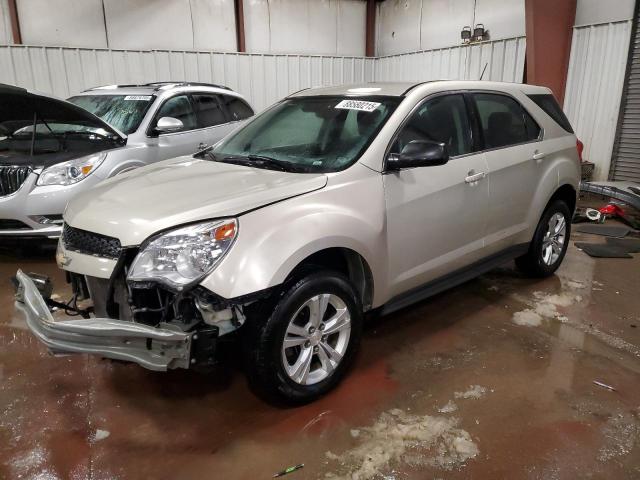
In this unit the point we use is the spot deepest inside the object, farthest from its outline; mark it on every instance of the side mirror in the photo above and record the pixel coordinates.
(419, 153)
(168, 125)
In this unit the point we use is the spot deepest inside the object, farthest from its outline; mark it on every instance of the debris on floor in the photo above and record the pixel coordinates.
(398, 436)
(604, 230)
(450, 407)
(475, 391)
(289, 470)
(604, 385)
(603, 250)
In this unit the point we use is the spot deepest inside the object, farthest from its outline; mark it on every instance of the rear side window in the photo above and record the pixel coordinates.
(549, 104)
(210, 111)
(504, 121)
(238, 109)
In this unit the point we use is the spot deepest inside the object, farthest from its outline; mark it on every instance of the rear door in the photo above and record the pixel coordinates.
(213, 118)
(436, 216)
(515, 160)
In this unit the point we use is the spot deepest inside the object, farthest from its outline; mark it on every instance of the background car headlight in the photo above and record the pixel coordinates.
(185, 255)
(68, 173)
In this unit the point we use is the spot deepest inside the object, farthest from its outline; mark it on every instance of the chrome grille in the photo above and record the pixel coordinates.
(12, 178)
(90, 243)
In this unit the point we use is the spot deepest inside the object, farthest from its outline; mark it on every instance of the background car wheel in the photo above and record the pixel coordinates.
(309, 341)
(550, 242)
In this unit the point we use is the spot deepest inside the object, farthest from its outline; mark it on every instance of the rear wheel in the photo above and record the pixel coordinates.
(550, 242)
(307, 344)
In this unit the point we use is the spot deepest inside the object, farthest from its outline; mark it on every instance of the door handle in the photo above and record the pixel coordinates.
(474, 177)
(538, 155)
(202, 146)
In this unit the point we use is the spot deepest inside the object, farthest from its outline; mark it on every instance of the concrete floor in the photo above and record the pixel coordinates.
(491, 380)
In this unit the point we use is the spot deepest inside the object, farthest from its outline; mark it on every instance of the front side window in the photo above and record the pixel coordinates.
(179, 107)
(210, 111)
(124, 112)
(504, 122)
(442, 119)
(237, 108)
(312, 134)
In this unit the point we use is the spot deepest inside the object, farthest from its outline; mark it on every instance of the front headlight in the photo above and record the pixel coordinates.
(183, 256)
(68, 173)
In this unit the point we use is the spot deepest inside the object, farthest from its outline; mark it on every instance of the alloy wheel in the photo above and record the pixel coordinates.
(316, 339)
(554, 238)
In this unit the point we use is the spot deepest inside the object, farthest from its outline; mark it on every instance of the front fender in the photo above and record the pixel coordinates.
(273, 240)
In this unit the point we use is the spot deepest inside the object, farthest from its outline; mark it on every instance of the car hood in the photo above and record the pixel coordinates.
(20, 106)
(133, 206)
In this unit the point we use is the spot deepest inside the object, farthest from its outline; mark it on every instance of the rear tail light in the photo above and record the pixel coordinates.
(580, 148)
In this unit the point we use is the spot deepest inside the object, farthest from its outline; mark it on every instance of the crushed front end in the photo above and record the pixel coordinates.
(147, 322)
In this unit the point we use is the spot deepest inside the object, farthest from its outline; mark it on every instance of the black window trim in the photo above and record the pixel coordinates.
(471, 94)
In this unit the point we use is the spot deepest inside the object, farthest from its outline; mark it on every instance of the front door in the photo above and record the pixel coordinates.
(436, 216)
(187, 140)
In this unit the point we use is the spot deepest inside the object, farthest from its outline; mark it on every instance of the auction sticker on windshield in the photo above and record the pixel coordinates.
(358, 105)
(143, 98)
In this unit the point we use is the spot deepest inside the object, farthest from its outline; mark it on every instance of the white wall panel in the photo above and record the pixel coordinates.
(317, 27)
(589, 12)
(410, 25)
(5, 23)
(62, 22)
(263, 79)
(142, 24)
(214, 26)
(504, 61)
(594, 88)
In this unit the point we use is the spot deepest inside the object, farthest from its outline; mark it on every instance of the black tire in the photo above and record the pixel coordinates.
(264, 339)
(532, 263)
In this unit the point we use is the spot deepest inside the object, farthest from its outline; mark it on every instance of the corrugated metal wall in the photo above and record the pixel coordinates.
(263, 79)
(594, 88)
(504, 61)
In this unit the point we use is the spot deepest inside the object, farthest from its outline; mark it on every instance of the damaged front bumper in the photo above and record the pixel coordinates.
(151, 347)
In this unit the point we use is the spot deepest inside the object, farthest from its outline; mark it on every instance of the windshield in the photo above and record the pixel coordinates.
(312, 134)
(124, 112)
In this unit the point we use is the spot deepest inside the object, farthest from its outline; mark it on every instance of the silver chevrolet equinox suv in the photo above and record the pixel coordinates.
(51, 150)
(331, 203)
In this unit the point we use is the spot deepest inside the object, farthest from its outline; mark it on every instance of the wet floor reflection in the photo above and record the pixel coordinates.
(520, 399)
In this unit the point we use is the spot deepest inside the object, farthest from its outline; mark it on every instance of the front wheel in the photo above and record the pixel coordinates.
(309, 341)
(550, 242)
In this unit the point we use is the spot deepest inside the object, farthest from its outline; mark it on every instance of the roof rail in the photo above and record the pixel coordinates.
(160, 85)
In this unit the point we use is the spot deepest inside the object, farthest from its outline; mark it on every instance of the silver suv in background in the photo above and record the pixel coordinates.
(51, 150)
(331, 203)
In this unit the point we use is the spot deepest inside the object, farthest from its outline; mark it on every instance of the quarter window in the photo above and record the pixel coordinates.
(442, 119)
(238, 109)
(179, 107)
(504, 122)
(210, 111)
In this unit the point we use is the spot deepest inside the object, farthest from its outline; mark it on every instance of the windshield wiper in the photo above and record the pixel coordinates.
(261, 161)
(84, 132)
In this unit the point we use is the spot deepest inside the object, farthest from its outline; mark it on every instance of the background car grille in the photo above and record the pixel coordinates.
(90, 243)
(7, 224)
(12, 178)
